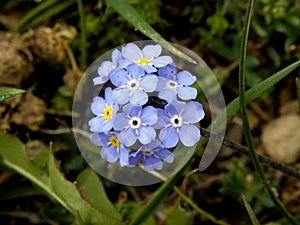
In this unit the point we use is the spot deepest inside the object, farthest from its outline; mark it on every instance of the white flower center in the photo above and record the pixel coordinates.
(172, 84)
(135, 122)
(132, 85)
(176, 121)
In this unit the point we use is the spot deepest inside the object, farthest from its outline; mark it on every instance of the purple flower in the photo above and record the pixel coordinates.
(112, 148)
(148, 58)
(170, 85)
(151, 156)
(107, 67)
(179, 119)
(105, 111)
(133, 85)
(136, 125)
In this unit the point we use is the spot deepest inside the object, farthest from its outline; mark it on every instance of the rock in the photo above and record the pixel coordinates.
(280, 138)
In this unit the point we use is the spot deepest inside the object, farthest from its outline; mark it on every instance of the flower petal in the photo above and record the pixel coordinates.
(116, 56)
(131, 51)
(187, 93)
(149, 115)
(134, 158)
(168, 71)
(168, 137)
(146, 134)
(109, 153)
(135, 71)
(120, 122)
(149, 83)
(149, 68)
(185, 78)
(151, 51)
(95, 139)
(105, 68)
(138, 97)
(162, 61)
(124, 156)
(98, 105)
(193, 112)
(167, 94)
(121, 95)
(165, 155)
(152, 163)
(189, 134)
(96, 124)
(119, 78)
(127, 137)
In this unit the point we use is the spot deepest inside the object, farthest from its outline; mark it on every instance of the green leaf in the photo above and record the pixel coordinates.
(8, 93)
(179, 217)
(92, 190)
(52, 182)
(132, 16)
(250, 212)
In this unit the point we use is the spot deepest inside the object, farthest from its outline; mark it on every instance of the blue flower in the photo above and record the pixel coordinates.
(179, 119)
(105, 111)
(151, 156)
(170, 85)
(148, 58)
(112, 148)
(107, 67)
(137, 124)
(132, 85)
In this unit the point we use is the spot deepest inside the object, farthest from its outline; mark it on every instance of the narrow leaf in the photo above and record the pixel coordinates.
(250, 211)
(132, 16)
(11, 92)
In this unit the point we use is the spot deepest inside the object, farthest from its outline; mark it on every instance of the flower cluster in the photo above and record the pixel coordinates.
(146, 110)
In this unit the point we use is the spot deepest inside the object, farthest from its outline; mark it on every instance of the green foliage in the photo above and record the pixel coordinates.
(179, 217)
(9, 93)
(237, 181)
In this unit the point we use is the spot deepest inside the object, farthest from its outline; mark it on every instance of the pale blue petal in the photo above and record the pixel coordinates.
(134, 158)
(98, 105)
(161, 83)
(168, 137)
(193, 112)
(146, 134)
(108, 96)
(163, 116)
(185, 78)
(135, 71)
(149, 83)
(135, 110)
(105, 68)
(95, 139)
(189, 134)
(152, 145)
(138, 97)
(126, 108)
(96, 124)
(131, 51)
(149, 115)
(107, 125)
(119, 78)
(179, 106)
(116, 56)
(165, 155)
(149, 68)
(121, 95)
(187, 93)
(123, 63)
(168, 71)
(152, 163)
(151, 51)
(167, 94)
(170, 108)
(100, 80)
(161, 61)
(120, 122)
(124, 156)
(127, 137)
(110, 154)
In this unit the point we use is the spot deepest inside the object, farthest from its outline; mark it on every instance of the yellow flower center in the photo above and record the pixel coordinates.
(114, 141)
(107, 114)
(143, 61)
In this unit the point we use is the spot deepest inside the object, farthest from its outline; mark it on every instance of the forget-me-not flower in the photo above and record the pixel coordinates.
(170, 85)
(105, 111)
(112, 149)
(136, 125)
(151, 156)
(179, 119)
(132, 85)
(148, 58)
(107, 67)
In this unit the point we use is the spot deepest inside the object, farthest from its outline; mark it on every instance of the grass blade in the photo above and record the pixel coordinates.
(243, 109)
(9, 93)
(250, 211)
